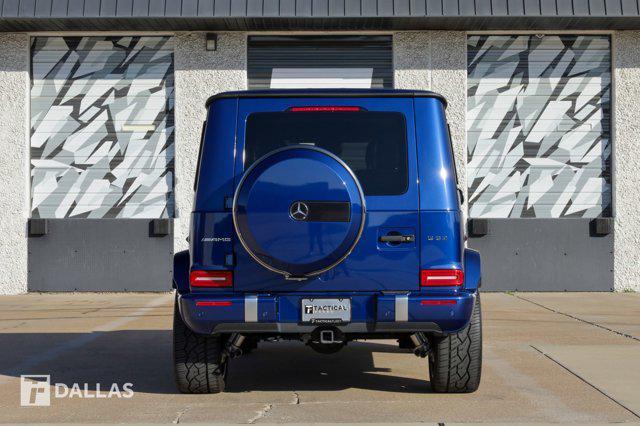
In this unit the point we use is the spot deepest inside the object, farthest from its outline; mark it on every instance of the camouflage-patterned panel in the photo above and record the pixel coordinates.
(102, 129)
(538, 122)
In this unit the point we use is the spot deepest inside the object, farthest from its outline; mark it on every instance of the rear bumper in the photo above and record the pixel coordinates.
(354, 327)
(371, 313)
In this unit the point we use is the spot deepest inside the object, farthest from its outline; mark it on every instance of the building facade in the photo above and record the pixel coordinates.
(102, 104)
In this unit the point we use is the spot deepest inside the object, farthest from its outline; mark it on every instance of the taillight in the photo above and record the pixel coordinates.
(441, 277)
(211, 279)
(214, 303)
(325, 109)
(438, 302)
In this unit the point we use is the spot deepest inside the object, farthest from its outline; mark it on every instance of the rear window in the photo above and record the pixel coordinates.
(372, 143)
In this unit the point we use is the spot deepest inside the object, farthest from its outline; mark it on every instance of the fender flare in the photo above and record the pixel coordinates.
(472, 270)
(181, 271)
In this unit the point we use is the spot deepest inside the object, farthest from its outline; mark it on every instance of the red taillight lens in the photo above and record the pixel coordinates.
(325, 109)
(441, 277)
(438, 302)
(211, 279)
(214, 303)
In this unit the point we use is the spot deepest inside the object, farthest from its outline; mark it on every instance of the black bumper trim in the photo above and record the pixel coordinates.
(356, 327)
(390, 327)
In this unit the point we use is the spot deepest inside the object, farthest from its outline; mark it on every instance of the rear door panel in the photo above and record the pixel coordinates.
(372, 266)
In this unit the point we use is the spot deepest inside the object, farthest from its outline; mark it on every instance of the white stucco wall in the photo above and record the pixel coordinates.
(432, 60)
(14, 195)
(626, 166)
(437, 60)
(199, 73)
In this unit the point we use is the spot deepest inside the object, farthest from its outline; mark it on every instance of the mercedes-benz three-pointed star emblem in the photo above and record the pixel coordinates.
(299, 211)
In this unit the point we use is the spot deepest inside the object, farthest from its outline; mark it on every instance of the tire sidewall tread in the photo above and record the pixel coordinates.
(197, 358)
(455, 362)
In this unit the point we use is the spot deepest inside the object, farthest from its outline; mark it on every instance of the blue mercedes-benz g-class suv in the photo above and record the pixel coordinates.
(326, 217)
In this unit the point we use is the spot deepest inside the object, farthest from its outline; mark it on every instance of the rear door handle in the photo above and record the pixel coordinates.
(397, 238)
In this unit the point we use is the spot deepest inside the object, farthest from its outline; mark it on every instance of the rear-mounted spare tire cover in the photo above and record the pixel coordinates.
(299, 211)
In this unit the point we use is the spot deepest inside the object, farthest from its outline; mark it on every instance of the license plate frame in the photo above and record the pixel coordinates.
(325, 310)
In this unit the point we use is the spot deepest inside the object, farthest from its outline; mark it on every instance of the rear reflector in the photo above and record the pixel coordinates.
(211, 279)
(214, 303)
(438, 302)
(441, 277)
(325, 109)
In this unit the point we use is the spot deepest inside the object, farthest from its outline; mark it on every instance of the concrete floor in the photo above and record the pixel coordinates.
(547, 358)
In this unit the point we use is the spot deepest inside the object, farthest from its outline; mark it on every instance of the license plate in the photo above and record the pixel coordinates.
(326, 311)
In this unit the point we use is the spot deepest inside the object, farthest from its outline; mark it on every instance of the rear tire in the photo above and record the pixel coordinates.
(455, 362)
(199, 366)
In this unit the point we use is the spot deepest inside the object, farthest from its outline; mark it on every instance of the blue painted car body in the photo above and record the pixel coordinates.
(374, 274)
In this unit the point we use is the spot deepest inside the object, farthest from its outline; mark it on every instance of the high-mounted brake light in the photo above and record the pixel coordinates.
(441, 277)
(325, 109)
(211, 279)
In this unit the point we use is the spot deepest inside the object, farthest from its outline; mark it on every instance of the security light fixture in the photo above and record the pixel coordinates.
(212, 41)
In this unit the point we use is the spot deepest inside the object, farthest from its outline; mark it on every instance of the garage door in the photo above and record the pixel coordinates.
(288, 62)
(539, 159)
(102, 158)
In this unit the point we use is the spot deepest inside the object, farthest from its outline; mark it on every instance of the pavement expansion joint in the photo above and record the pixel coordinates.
(619, 333)
(541, 352)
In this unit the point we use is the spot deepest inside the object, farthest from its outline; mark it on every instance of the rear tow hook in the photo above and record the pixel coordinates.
(325, 340)
(422, 348)
(233, 347)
